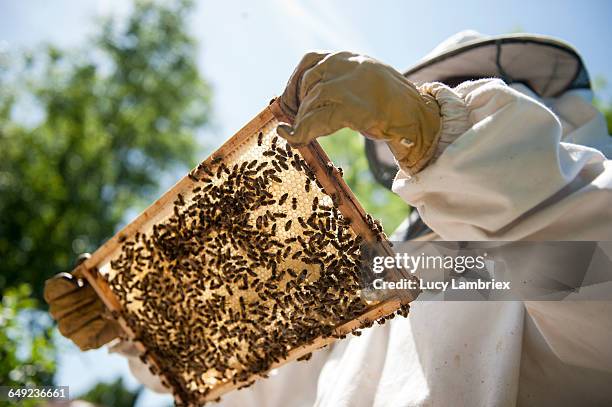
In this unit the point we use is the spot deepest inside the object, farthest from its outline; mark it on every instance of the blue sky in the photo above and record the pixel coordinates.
(248, 49)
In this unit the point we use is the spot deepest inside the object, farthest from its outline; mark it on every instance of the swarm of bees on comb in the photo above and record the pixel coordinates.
(254, 261)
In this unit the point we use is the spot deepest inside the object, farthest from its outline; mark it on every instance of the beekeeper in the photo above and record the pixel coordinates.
(496, 139)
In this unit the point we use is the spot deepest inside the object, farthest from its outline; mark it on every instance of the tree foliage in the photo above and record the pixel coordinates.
(114, 115)
(599, 84)
(27, 353)
(346, 149)
(606, 109)
(112, 394)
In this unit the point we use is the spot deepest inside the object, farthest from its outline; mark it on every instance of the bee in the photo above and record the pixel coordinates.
(287, 225)
(283, 164)
(206, 170)
(309, 172)
(283, 198)
(315, 203)
(335, 199)
(294, 203)
(260, 138)
(305, 357)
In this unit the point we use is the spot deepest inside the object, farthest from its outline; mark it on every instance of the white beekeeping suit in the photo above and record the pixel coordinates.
(510, 166)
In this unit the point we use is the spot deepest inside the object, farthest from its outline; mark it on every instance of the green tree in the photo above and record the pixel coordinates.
(605, 106)
(346, 149)
(27, 353)
(112, 394)
(102, 122)
(114, 115)
(607, 111)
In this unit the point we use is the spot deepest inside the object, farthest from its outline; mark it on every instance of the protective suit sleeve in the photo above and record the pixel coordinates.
(502, 172)
(509, 170)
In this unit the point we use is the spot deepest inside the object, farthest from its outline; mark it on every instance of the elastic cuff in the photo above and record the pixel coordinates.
(454, 115)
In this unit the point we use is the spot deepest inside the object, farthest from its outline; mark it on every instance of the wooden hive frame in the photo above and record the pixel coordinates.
(330, 179)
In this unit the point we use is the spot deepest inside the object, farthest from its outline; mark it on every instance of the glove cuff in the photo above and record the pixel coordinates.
(453, 110)
(454, 122)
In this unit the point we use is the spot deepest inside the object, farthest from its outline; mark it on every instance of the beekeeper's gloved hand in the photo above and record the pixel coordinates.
(328, 92)
(80, 314)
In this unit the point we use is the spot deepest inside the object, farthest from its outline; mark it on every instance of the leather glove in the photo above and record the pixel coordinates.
(328, 92)
(80, 314)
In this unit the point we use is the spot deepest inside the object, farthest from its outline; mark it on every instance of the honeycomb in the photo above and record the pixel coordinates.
(251, 261)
